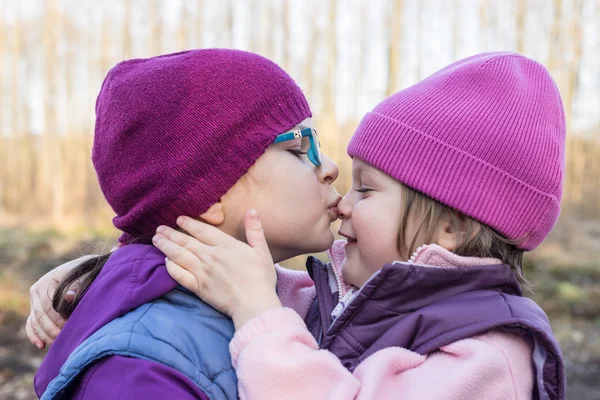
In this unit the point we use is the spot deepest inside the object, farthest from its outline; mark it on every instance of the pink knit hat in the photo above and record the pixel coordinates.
(485, 136)
(175, 132)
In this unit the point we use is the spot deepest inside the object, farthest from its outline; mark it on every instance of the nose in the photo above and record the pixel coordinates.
(345, 207)
(328, 172)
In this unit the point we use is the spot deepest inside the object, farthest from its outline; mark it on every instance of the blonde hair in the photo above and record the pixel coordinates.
(476, 239)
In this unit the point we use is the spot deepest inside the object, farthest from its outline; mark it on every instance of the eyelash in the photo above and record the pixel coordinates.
(364, 190)
(297, 153)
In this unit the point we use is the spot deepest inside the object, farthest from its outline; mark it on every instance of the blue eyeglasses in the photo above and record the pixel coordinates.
(309, 145)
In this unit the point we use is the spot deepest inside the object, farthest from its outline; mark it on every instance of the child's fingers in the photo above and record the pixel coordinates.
(176, 253)
(205, 233)
(49, 311)
(41, 334)
(42, 318)
(255, 234)
(56, 319)
(33, 337)
(183, 240)
(182, 275)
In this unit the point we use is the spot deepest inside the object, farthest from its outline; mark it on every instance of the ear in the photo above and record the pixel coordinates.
(452, 229)
(215, 215)
(446, 235)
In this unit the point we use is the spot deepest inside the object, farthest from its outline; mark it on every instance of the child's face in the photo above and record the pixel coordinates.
(294, 199)
(370, 214)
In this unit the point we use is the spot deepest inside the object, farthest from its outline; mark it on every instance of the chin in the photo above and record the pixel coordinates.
(327, 241)
(320, 244)
(347, 279)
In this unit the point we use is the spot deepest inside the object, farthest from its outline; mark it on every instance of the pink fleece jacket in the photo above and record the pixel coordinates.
(276, 357)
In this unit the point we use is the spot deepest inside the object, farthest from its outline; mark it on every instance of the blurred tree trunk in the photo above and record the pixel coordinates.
(24, 160)
(75, 162)
(3, 135)
(196, 24)
(395, 26)
(285, 33)
(363, 34)
(577, 153)
(51, 174)
(155, 29)
(106, 61)
(456, 13)
(183, 27)
(311, 54)
(483, 22)
(229, 23)
(331, 60)
(125, 31)
(90, 176)
(268, 24)
(555, 45)
(327, 119)
(15, 134)
(419, 27)
(260, 27)
(521, 12)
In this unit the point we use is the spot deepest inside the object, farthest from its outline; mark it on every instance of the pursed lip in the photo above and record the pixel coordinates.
(332, 209)
(335, 203)
(333, 213)
(348, 237)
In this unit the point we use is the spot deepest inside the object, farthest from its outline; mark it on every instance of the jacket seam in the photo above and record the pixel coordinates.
(356, 346)
(133, 279)
(139, 321)
(510, 372)
(387, 309)
(492, 326)
(86, 381)
(349, 318)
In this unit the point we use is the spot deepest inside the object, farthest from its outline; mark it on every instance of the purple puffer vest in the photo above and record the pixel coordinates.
(424, 308)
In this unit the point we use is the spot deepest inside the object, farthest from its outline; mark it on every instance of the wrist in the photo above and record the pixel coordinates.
(253, 309)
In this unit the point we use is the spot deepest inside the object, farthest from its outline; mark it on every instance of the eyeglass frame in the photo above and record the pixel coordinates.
(314, 151)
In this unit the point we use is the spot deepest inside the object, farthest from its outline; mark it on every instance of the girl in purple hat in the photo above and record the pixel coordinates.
(205, 133)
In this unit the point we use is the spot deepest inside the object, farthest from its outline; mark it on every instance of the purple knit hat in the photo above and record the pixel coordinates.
(485, 136)
(175, 132)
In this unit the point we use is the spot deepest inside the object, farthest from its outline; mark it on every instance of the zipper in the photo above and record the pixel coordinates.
(320, 335)
(417, 253)
(338, 280)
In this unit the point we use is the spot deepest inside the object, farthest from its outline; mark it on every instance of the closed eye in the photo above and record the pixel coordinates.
(297, 152)
(364, 190)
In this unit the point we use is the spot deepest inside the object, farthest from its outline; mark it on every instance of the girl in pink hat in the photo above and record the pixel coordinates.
(453, 179)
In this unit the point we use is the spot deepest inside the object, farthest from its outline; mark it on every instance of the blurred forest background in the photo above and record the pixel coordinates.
(347, 55)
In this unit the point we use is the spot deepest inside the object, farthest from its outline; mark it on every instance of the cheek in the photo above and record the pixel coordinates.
(289, 195)
(376, 226)
(292, 203)
(373, 222)
(354, 268)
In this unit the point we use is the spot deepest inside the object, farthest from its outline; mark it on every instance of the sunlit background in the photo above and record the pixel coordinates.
(347, 55)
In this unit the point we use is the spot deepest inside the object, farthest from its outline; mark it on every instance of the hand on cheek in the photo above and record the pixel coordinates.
(236, 278)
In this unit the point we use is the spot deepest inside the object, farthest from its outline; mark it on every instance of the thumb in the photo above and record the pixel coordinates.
(71, 293)
(255, 235)
(74, 289)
